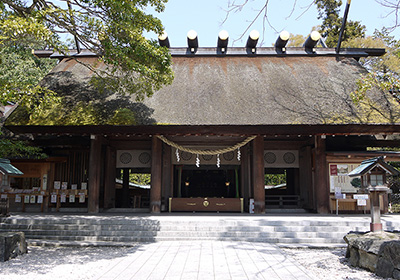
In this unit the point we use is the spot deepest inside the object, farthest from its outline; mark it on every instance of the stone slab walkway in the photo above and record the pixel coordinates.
(205, 260)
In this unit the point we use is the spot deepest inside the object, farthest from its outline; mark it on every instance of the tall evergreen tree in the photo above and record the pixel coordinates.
(328, 11)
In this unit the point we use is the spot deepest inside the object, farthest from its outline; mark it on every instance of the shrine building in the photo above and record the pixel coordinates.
(232, 118)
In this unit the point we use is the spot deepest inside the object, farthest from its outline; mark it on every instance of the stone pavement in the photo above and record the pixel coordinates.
(205, 260)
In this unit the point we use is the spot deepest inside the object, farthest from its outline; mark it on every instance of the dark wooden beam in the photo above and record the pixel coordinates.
(237, 51)
(156, 175)
(234, 130)
(258, 175)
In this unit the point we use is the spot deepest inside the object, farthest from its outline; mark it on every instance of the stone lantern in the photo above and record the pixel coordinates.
(373, 173)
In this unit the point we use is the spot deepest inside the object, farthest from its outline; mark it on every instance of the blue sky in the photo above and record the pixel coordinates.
(206, 17)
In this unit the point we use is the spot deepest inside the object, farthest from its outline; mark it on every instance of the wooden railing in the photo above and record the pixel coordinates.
(282, 201)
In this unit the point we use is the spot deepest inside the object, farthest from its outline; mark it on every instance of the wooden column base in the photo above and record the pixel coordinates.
(375, 227)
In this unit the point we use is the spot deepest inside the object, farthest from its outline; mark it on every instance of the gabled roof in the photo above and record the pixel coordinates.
(369, 164)
(236, 88)
(7, 168)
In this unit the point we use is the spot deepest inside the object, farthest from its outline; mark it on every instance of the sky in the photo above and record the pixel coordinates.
(206, 18)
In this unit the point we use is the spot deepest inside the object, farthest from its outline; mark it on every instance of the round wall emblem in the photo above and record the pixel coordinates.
(144, 158)
(207, 157)
(289, 157)
(229, 156)
(186, 156)
(270, 157)
(125, 158)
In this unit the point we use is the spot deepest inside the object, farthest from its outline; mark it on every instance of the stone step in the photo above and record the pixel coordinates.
(105, 229)
(215, 225)
(172, 234)
(179, 238)
(139, 222)
(197, 228)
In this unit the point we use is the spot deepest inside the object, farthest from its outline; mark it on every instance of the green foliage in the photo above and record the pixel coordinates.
(140, 178)
(296, 40)
(274, 179)
(20, 73)
(356, 182)
(123, 116)
(112, 29)
(389, 62)
(81, 113)
(10, 148)
(328, 11)
(378, 92)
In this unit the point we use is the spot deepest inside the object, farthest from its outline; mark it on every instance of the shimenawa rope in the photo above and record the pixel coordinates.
(206, 152)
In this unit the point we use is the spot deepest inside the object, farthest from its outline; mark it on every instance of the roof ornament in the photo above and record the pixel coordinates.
(163, 40)
(312, 41)
(346, 12)
(223, 37)
(283, 39)
(193, 42)
(252, 40)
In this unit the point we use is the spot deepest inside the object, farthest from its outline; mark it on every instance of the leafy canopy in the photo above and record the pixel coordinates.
(112, 29)
(383, 75)
(20, 73)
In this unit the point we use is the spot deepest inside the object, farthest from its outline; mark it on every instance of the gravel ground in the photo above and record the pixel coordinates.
(329, 264)
(84, 263)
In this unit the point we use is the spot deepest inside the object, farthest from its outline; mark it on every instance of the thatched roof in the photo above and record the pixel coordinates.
(231, 90)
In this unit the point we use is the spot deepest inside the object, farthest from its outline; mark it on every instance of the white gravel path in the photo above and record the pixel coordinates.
(85, 263)
(329, 264)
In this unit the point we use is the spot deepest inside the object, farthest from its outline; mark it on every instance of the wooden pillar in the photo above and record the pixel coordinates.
(50, 185)
(258, 175)
(94, 174)
(376, 224)
(156, 172)
(109, 180)
(166, 174)
(126, 203)
(321, 180)
(305, 177)
(245, 176)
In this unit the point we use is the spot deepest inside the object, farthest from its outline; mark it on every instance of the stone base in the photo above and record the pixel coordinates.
(378, 252)
(12, 244)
